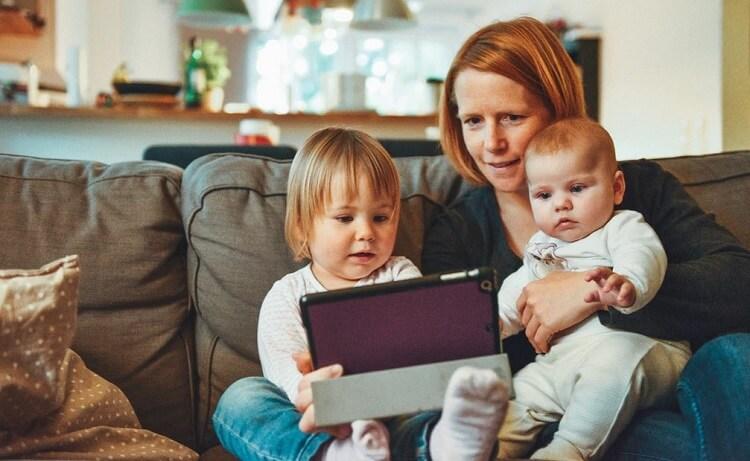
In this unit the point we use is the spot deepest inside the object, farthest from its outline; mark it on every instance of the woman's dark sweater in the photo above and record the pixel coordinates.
(706, 291)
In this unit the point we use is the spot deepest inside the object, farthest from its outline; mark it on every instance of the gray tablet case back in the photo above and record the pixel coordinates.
(413, 322)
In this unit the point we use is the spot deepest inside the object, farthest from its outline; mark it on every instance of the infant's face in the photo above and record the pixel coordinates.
(571, 194)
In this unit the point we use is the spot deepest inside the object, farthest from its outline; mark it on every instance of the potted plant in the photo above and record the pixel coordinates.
(210, 57)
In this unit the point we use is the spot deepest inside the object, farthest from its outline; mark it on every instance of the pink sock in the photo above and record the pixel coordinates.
(368, 442)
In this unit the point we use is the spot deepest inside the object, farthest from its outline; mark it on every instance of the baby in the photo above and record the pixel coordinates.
(594, 378)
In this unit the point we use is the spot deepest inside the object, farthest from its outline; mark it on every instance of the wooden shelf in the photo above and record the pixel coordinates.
(12, 110)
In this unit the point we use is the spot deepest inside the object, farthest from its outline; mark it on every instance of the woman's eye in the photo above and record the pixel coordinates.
(471, 121)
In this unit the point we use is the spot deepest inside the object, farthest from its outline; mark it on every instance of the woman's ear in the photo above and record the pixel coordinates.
(619, 187)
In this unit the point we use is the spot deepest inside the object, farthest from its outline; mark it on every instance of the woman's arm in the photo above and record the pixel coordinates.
(554, 303)
(706, 291)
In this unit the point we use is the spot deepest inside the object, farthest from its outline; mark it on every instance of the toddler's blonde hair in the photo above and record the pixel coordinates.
(328, 156)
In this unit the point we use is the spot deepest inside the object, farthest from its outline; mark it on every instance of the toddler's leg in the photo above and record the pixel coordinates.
(624, 373)
(368, 442)
(474, 408)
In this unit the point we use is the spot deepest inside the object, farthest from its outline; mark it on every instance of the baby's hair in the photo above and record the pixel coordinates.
(326, 157)
(579, 133)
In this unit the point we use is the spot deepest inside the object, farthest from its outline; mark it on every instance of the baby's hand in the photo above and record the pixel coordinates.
(612, 289)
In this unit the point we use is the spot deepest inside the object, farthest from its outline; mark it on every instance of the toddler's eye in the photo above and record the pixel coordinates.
(381, 218)
(577, 188)
(543, 195)
(343, 219)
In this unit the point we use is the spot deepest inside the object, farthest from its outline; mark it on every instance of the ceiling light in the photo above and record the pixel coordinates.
(213, 13)
(381, 14)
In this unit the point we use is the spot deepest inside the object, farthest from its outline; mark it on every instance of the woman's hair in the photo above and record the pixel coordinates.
(332, 158)
(525, 51)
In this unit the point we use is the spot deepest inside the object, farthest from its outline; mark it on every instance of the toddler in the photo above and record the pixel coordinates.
(342, 215)
(594, 378)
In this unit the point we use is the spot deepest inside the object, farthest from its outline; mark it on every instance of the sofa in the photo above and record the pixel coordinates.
(174, 264)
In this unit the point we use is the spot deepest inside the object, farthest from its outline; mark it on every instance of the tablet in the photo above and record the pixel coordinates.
(437, 318)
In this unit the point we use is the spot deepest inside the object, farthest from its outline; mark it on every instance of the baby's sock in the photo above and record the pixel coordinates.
(368, 442)
(474, 408)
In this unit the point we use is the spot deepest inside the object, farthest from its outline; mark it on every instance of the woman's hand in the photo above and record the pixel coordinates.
(553, 304)
(304, 403)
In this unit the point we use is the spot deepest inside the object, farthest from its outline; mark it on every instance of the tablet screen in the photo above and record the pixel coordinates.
(431, 319)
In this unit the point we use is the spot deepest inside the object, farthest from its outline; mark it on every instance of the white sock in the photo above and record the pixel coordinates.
(474, 408)
(369, 442)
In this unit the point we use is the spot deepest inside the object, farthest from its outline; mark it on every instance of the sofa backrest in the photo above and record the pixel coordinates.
(720, 183)
(123, 220)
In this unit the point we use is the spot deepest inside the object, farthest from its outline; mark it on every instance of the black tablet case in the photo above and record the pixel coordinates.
(430, 319)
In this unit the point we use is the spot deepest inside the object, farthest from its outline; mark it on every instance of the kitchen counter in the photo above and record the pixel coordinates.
(123, 133)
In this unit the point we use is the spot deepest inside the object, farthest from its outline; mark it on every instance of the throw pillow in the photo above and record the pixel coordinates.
(51, 405)
(37, 324)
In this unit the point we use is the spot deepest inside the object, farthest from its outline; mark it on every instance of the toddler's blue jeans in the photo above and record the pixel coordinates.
(255, 421)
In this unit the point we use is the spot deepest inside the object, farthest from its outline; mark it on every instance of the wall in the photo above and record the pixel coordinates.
(40, 49)
(661, 76)
(116, 139)
(736, 75)
(674, 74)
(143, 35)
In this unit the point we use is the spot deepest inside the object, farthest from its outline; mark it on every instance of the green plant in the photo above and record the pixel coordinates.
(213, 58)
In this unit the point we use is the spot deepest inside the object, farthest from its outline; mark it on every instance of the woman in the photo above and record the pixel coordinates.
(507, 82)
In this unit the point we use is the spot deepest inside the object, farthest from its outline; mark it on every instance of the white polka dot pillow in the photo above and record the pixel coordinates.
(51, 405)
(37, 325)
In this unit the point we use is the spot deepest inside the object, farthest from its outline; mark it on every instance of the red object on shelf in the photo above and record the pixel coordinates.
(258, 132)
(251, 139)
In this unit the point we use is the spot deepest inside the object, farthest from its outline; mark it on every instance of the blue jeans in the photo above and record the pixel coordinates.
(714, 421)
(713, 392)
(254, 420)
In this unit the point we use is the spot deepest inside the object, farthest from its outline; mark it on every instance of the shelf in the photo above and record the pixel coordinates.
(12, 110)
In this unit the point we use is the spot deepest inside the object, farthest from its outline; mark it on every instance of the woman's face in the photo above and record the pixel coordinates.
(498, 117)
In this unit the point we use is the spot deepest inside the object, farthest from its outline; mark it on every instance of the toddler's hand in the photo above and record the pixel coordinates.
(304, 404)
(612, 289)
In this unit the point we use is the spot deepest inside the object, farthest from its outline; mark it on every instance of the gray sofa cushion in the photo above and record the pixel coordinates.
(233, 211)
(720, 183)
(123, 220)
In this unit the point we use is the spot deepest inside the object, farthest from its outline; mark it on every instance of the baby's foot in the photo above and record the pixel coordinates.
(473, 410)
(368, 442)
